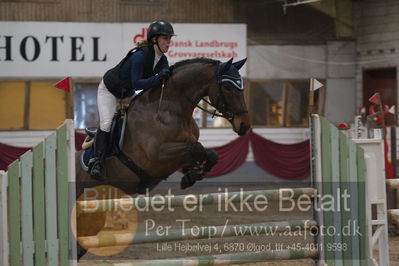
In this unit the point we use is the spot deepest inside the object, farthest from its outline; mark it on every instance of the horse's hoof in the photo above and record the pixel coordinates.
(186, 182)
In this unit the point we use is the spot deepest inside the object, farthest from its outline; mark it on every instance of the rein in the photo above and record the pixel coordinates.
(228, 115)
(213, 113)
(160, 100)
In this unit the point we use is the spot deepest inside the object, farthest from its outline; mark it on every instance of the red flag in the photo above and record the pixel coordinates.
(63, 84)
(375, 98)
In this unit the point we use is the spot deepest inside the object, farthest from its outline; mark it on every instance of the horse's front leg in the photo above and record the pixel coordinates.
(204, 160)
(195, 160)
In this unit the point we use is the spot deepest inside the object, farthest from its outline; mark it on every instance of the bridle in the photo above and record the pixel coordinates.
(221, 107)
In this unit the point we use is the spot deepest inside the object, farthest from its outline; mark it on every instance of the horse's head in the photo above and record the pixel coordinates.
(227, 96)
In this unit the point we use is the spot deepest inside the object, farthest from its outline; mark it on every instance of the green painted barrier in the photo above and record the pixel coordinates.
(38, 202)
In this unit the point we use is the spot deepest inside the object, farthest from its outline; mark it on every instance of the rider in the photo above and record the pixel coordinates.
(144, 67)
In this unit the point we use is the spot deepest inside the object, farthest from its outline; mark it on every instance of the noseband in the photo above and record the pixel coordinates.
(221, 105)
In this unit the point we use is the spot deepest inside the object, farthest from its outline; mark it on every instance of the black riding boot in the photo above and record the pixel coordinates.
(100, 148)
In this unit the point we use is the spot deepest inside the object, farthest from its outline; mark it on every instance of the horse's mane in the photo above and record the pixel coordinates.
(202, 60)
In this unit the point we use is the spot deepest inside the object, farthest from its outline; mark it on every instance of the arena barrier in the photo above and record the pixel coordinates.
(337, 164)
(34, 203)
(92, 206)
(227, 259)
(177, 234)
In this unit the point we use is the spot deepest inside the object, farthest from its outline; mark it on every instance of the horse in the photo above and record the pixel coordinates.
(161, 135)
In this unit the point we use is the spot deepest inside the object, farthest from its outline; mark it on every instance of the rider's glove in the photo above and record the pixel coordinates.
(164, 74)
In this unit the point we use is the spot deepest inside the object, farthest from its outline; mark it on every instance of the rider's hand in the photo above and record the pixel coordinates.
(164, 74)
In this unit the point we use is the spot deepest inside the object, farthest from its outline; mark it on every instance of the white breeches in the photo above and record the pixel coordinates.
(106, 103)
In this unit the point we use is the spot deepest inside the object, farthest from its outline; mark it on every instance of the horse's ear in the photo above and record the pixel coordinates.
(239, 64)
(226, 66)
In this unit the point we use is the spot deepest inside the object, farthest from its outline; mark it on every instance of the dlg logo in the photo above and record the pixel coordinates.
(140, 36)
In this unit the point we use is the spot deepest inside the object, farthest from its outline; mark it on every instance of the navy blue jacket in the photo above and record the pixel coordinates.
(137, 71)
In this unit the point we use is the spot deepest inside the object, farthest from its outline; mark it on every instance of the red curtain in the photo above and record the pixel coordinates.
(9, 153)
(288, 161)
(79, 138)
(231, 156)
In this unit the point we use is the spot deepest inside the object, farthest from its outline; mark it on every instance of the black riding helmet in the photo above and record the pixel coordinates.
(159, 27)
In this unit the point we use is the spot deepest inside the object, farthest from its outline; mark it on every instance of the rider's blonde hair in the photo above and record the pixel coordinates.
(142, 43)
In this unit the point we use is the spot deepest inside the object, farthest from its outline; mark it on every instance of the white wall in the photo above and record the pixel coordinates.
(218, 137)
(334, 62)
(25, 138)
(340, 105)
(286, 61)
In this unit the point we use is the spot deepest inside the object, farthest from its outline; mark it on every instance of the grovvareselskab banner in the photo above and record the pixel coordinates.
(87, 50)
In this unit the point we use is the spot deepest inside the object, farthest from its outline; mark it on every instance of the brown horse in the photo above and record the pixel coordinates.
(161, 135)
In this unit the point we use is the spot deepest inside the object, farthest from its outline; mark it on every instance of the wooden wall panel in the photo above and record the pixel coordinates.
(198, 11)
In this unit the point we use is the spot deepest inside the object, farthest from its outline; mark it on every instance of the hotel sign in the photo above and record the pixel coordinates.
(87, 50)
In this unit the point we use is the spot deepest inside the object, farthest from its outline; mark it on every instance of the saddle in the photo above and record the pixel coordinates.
(116, 138)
